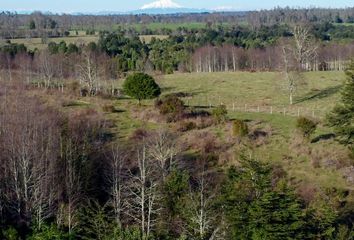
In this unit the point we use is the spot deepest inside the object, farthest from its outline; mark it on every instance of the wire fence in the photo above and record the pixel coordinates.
(286, 110)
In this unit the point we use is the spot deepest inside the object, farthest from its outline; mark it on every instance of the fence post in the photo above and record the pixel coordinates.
(258, 109)
(271, 109)
(284, 111)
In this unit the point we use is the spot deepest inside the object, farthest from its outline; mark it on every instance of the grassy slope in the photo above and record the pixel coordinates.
(253, 88)
(322, 91)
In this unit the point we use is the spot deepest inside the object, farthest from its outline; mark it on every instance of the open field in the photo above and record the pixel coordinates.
(318, 92)
(148, 38)
(33, 43)
(81, 38)
(155, 26)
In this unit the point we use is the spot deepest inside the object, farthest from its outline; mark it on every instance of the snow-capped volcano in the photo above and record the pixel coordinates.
(161, 4)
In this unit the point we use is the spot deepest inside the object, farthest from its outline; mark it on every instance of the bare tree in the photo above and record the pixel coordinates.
(297, 55)
(68, 210)
(304, 48)
(115, 178)
(163, 149)
(289, 77)
(46, 67)
(90, 69)
(202, 220)
(28, 143)
(143, 194)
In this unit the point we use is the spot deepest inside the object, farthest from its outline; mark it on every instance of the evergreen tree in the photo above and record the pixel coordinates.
(276, 215)
(243, 186)
(342, 117)
(141, 86)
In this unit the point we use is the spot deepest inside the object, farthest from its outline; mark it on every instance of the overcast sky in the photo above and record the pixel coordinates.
(70, 6)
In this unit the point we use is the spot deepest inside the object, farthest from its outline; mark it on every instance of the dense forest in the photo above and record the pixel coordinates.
(69, 171)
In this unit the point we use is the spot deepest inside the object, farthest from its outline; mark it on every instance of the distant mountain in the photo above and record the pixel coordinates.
(161, 4)
(165, 7)
(168, 10)
(153, 8)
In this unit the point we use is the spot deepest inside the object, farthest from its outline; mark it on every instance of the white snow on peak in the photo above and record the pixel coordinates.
(161, 4)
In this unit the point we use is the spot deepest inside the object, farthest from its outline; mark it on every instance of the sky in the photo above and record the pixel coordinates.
(71, 6)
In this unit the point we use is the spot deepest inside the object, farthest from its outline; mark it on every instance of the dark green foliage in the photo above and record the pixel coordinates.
(276, 214)
(175, 188)
(239, 128)
(62, 48)
(220, 114)
(10, 233)
(321, 219)
(95, 222)
(342, 117)
(52, 24)
(48, 232)
(92, 46)
(141, 86)
(306, 126)
(52, 48)
(72, 48)
(128, 52)
(242, 187)
(170, 105)
(32, 25)
(13, 48)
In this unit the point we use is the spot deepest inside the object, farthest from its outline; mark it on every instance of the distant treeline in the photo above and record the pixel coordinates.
(116, 54)
(15, 25)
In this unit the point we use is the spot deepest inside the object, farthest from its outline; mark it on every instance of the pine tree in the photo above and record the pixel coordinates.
(141, 86)
(243, 186)
(277, 215)
(342, 116)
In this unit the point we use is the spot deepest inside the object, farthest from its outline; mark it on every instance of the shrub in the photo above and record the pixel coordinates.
(109, 108)
(10, 234)
(48, 232)
(186, 126)
(170, 105)
(220, 114)
(74, 86)
(141, 86)
(306, 126)
(239, 128)
(139, 134)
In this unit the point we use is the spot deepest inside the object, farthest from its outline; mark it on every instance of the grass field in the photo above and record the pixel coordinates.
(148, 38)
(81, 38)
(319, 91)
(33, 43)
